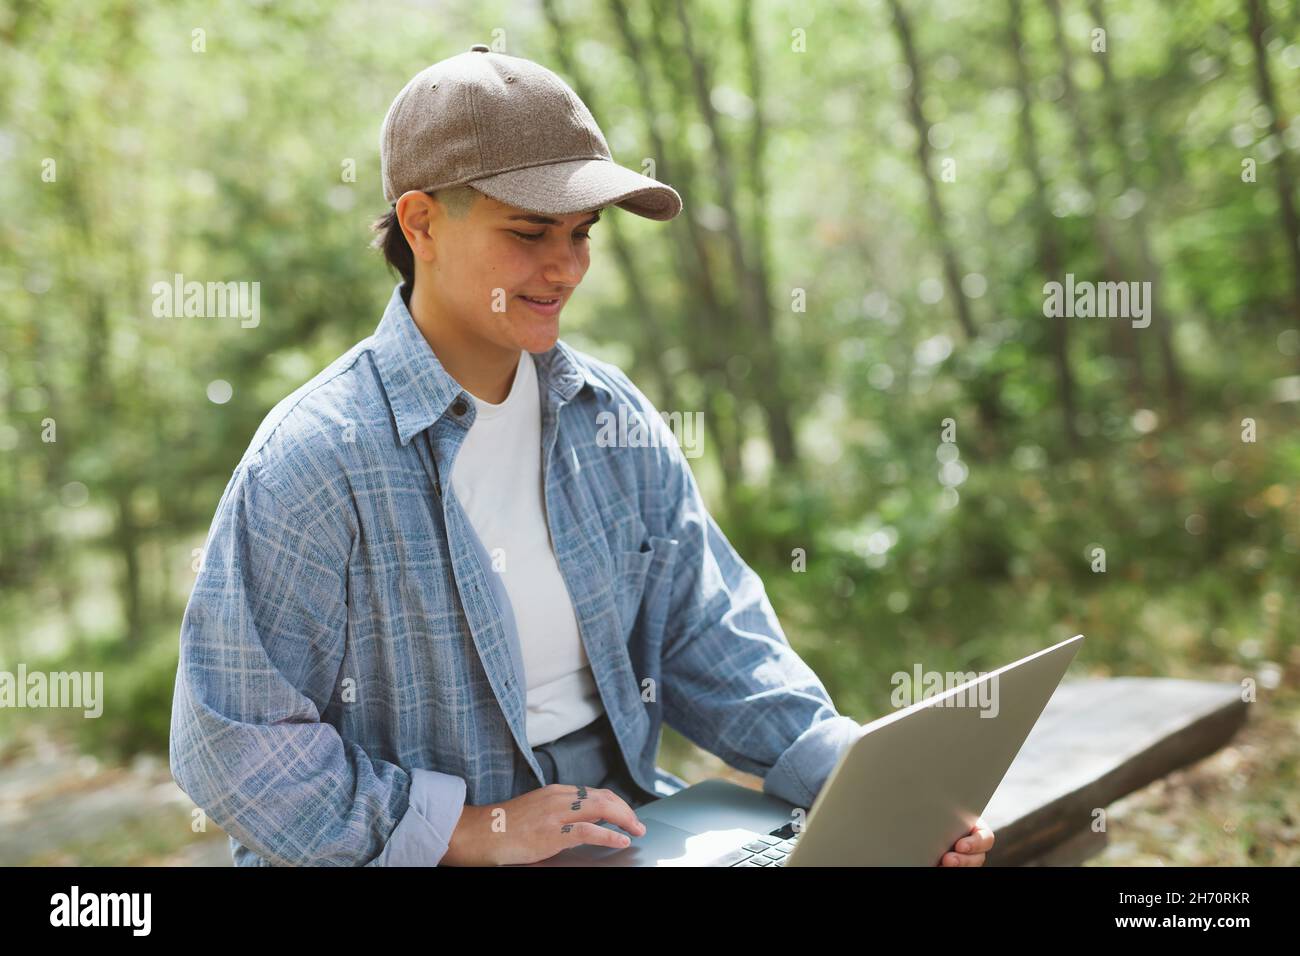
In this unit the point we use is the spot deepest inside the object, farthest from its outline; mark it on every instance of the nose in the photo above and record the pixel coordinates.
(566, 262)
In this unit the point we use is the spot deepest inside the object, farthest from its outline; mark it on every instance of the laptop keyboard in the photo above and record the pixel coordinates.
(769, 850)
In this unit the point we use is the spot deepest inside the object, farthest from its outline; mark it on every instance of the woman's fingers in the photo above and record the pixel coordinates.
(594, 834)
(980, 842)
(590, 805)
(970, 850)
(963, 859)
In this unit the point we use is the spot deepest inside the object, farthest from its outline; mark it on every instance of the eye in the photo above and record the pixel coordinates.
(534, 236)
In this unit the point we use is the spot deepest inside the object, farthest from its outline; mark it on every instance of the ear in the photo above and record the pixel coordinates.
(419, 215)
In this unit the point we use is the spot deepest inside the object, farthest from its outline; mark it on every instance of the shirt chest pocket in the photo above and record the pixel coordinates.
(643, 580)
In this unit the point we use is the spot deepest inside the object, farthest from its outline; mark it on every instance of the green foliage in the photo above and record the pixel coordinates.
(228, 165)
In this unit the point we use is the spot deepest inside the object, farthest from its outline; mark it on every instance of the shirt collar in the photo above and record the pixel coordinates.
(420, 390)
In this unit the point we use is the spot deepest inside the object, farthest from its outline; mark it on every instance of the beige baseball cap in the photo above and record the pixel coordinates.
(513, 130)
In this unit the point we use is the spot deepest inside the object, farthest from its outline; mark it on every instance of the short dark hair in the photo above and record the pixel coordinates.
(391, 241)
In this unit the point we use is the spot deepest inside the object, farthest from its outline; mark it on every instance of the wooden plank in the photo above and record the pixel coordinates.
(1074, 851)
(1096, 741)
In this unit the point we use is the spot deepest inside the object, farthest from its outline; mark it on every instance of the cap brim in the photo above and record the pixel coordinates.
(561, 189)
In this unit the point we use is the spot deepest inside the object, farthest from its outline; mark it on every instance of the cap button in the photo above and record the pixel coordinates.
(480, 48)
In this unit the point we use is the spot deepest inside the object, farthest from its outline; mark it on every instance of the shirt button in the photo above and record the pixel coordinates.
(459, 408)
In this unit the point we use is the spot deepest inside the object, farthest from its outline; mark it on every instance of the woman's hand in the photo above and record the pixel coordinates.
(970, 849)
(538, 825)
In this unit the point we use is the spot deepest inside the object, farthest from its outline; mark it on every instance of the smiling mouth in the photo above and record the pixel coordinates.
(550, 301)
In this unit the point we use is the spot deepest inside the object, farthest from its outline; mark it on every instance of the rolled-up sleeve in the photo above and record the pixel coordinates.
(730, 681)
(424, 832)
(261, 644)
(803, 768)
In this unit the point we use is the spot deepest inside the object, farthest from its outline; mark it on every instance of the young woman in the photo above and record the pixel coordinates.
(441, 616)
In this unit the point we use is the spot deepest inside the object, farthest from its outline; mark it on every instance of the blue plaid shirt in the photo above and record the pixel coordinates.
(350, 675)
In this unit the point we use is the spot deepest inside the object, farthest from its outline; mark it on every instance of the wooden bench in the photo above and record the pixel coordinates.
(1096, 741)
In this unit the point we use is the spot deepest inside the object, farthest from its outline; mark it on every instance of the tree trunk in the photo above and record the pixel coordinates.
(126, 538)
(1285, 184)
(705, 317)
(983, 394)
(770, 391)
(1122, 342)
(1049, 256)
(1141, 233)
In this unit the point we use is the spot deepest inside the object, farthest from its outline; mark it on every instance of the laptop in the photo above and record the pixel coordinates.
(902, 794)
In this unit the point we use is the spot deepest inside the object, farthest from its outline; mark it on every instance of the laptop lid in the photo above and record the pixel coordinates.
(917, 779)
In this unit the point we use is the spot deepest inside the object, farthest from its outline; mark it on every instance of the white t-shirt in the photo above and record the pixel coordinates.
(497, 477)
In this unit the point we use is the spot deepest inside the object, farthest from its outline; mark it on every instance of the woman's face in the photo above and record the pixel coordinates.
(489, 257)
